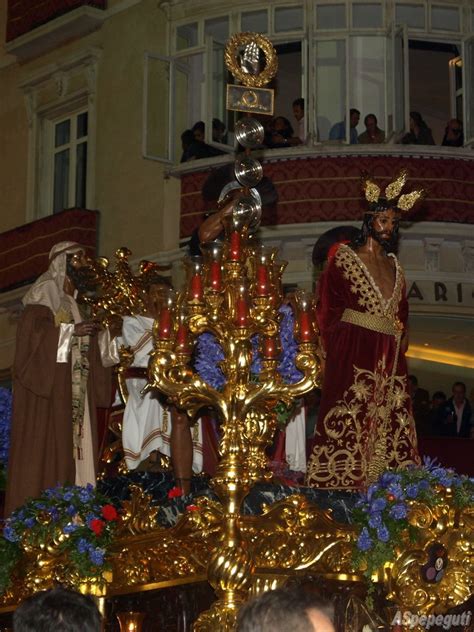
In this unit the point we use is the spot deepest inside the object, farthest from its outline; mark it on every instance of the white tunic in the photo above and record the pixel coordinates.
(146, 423)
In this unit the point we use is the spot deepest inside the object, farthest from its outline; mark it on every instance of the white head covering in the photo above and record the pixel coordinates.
(48, 290)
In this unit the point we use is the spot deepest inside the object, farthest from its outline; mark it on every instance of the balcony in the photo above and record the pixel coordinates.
(36, 26)
(24, 250)
(322, 184)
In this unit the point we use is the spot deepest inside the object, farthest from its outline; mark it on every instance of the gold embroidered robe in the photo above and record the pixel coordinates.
(365, 422)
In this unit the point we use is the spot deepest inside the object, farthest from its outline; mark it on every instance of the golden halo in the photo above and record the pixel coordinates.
(231, 59)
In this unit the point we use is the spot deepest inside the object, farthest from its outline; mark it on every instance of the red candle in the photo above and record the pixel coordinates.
(164, 326)
(262, 280)
(215, 276)
(270, 349)
(242, 312)
(182, 336)
(234, 246)
(195, 290)
(306, 327)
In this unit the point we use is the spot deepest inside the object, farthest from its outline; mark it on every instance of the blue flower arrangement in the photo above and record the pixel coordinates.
(80, 521)
(6, 400)
(382, 512)
(209, 354)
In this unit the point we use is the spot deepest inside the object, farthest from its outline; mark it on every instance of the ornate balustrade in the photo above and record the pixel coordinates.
(322, 183)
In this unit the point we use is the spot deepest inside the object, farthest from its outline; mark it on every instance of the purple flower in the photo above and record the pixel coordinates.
(209, 355)
(30, 522)
(399, 511)
(412, 490)
(375, 520)
(9, 534)
(85, 495)
(6, 400)
(396, 490)
(83, 545)
(54, 513)
(70, 527)
(389, 478)
(256, 365)
(96, 556)
(71, 510)
(373, 488)
(383, 534)
(378, 504)
(429, 463)
(444, 477)
(289, 347)
(364, 541)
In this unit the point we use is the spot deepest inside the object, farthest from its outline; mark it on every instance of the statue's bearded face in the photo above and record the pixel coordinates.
(79, 270)
(384, 228)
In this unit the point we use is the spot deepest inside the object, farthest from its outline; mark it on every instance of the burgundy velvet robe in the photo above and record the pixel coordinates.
(365, 422)
(41, 445)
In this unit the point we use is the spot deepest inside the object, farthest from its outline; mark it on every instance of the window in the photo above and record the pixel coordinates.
(367, 16)
(413, 15)
(187, 36)
(70, 162)
(218, 29)
(331, 16)
(254, 21)
(288, 19)
(445, 18)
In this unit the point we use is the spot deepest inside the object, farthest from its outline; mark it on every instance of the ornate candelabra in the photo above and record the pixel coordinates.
(234, 293)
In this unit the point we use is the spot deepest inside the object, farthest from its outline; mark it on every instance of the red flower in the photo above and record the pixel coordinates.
(175, 492)
(192, 508)
(97, 526)
(109, 512)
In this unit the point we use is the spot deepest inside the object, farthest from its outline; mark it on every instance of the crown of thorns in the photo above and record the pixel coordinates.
(392, 193)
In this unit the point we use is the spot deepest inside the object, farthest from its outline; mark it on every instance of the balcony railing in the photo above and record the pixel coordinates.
(24, 250)
(323, 183)
(26, 15)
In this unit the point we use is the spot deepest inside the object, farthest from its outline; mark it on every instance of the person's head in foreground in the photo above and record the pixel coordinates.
(57, 609)
(286, 610)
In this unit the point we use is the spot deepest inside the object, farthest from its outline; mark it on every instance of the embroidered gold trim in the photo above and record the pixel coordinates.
(380, 324)
(368, 430)
(369, 296)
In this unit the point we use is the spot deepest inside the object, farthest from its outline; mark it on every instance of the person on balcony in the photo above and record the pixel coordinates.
(58, 381)
(373, 134)
(365, 423)
(453, 135)
(280, 133)
(420, 133)
(338, 131)
(298, 113)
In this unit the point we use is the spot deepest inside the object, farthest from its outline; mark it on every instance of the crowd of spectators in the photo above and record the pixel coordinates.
(280, 133)
(441, 415)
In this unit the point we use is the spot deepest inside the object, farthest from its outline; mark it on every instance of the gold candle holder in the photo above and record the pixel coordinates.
(130, 621)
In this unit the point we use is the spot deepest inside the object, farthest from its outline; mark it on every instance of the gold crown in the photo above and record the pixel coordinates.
(392, 192)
